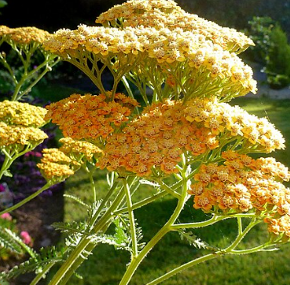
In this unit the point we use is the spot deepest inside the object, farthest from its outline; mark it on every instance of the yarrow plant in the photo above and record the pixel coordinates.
(184, 140)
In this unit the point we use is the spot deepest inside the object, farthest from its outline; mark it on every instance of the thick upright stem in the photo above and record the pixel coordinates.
(131, 219)
(85, 246)
(160, 234)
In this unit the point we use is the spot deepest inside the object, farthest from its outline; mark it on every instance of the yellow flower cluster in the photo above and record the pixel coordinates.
(166, 14)
(19, 135)
(16, 113)
(19, 124)
(24, 35)
(89, 116)
(242, 183)
(55, 165)
(162, 46)
(78, 149)
(156, 138)
(234, 121)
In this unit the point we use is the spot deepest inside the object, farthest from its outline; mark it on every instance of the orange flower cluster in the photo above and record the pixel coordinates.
(156, 138)
(56, 166)
(90, 117)
(242, 183)
(162, 13)
(234, 121)
(24, 35)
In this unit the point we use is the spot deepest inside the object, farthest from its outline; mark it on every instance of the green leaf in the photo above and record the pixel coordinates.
(71, 228)
(45, 256)
(2, 3)
(8, 241)
(193, 240)
(7, 173)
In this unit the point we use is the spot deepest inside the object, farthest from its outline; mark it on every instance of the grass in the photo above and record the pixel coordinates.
(107, 265)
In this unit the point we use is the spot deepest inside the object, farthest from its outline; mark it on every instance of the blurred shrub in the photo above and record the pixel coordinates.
(260, 33)
(278, 59)
(272, 50)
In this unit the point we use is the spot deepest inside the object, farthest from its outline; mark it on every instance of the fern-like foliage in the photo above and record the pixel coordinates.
(193, 240)
(71, 228)
(8, 241)
(49, 255)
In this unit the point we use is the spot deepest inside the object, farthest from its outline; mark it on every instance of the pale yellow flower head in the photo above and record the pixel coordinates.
(164, 48)
(225, 120)
(166, 14)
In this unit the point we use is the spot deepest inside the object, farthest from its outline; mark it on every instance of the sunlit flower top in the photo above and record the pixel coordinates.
(24, 114)
(24, 35)
(163, 13)
(148, 46)
(242, 183)
(55, 165)
(89, 116)
(165, 130)
(156, 138)
(234, 121)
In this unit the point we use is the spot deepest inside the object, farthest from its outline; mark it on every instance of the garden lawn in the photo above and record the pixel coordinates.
(107, 265)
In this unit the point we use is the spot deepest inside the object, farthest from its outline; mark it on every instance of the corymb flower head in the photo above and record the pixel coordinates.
(24, 35)
(241, 184)
(90, 117)
(57, 166)
(20, 136)
(166, 14)
(157, 51)
(78, 149)
(24, 114)
(156, 139)
(228, 121)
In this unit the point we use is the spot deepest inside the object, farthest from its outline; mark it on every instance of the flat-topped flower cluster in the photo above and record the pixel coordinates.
(23, 35)
(242, 183)
(160, 49)
(20, 124)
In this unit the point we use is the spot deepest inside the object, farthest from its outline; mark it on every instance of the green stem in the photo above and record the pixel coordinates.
(131, 219)
(129, 91)
(39, 77)
(26, 76)
(202, 224)
(183, 267)
(250, 250)
(228, 250)
(142, 203)
(35, 194)
(160, 234)
(6, 164)
(85, 246)
(11, 73)
(41, 275)
(242, 234)
(92, 182)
